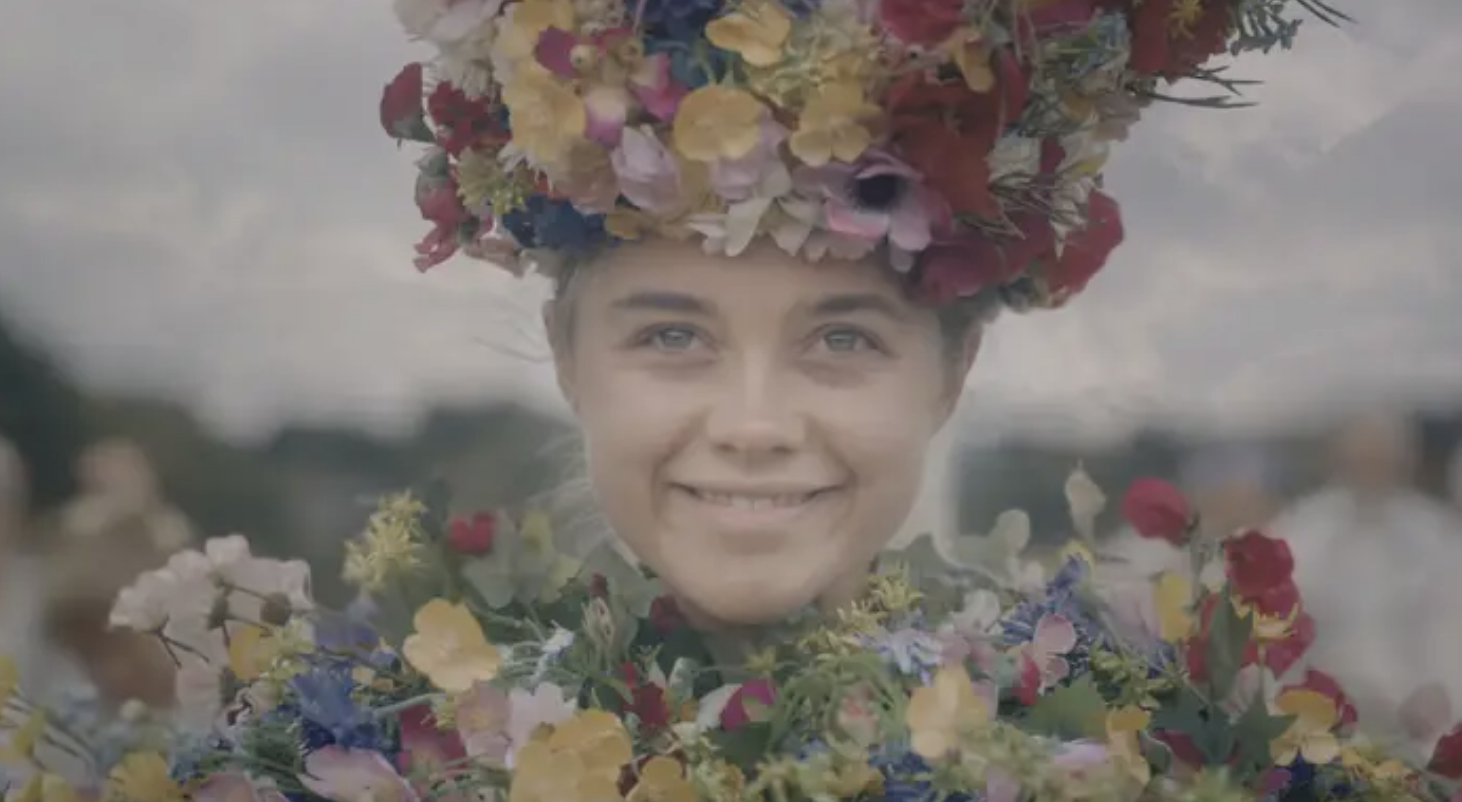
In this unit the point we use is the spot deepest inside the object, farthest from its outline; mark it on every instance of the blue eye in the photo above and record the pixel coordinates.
(672, 338)
(846, 341)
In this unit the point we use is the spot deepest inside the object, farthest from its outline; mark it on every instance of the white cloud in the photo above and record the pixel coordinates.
(198, 199)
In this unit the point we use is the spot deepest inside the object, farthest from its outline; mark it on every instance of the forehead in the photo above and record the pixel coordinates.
(763, 280)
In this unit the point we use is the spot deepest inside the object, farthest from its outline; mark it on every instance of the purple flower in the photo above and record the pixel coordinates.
(737, 180)
(647, 171)
(875, 198)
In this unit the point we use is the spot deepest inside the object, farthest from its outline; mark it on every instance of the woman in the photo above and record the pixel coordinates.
(775, 231)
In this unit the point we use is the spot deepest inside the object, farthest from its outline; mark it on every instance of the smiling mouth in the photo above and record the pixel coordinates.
(753, 501)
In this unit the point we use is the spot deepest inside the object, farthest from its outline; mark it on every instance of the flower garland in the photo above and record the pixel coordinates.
(961, 140)
(528, 675)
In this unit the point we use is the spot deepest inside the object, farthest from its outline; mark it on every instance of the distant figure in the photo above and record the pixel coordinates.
(1377, 564)
(116, 528)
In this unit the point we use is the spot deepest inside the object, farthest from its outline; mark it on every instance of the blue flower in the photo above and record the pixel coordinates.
(679, 19)
(324, 704)
(554, 224)
(913, 652)
(1061, 597)
(903, 778)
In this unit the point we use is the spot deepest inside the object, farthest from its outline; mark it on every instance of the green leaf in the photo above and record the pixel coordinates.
(1256, 729)
(1071, 712)
(1208, 728)
(627, 585)
(492, 578)
(1228, 639)
(747, 745)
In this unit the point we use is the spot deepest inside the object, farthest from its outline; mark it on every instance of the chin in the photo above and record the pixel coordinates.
(748, 604)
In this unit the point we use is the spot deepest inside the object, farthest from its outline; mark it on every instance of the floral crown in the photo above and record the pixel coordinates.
(962, 140)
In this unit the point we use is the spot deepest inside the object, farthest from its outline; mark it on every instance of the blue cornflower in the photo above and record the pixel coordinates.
(913, 652)
(324, 703)
(903, 773)
(554, 224)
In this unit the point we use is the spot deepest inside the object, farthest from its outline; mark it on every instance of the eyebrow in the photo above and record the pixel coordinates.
(850, 303)
(663, 302)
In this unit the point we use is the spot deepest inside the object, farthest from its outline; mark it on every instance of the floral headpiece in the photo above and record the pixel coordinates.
(962, 139)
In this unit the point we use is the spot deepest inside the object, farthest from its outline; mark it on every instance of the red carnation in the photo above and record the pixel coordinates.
(1256, 563)
(1163, 44)
(1158, 510)
(1087, 249)
(962, 264)
(1447, 756)
(665, 615)
(463, 121)
(472, 536)
(401, 112)
(737, 714)
(921, 22)
(646, 702)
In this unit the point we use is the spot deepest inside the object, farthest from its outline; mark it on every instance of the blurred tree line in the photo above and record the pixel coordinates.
(309, 487)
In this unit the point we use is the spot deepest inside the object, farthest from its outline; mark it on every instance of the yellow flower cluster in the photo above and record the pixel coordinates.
(390, 545)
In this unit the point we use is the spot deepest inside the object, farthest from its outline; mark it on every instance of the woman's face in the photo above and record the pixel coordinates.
(756, 427)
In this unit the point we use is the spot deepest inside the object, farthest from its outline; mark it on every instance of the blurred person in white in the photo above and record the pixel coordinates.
(117, 527)
(1375, 562)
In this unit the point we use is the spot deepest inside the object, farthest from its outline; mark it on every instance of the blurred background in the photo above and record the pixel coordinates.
(209, 322)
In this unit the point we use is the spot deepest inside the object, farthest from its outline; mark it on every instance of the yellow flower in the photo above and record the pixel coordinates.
(757, 31)
(251, 651)
(1123, 727)
(1311, 735)
(549, 118)
(662, 780)
(389, 546)
(1380, 770)
(47, 787)
(579, 761)
(142, 777)
(9, 678)
(717, 122)
(970, 53)
(1172, 597)
(525, 23)
(941, 713)
(22, 744)
(450, 648)
(834, 126)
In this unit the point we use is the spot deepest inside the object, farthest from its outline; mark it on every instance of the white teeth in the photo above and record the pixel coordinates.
(742, 502)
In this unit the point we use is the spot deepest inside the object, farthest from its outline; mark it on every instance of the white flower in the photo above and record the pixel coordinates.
(145, 605)
(1014, 156)
(445, 22)
(529, 710)
(251, 580)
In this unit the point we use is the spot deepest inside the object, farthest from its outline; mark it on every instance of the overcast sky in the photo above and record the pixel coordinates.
(195, 199)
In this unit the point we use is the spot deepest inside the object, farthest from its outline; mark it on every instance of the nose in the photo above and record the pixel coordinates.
(755, 415)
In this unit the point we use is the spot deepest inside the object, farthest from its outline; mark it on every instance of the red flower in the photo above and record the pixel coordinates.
(1279, 656)
(1256, 563)
(665, 615)
(599, 586)
(441, 206)
(463, 121)
(962, 264)
(1158, 510)
(921, 22)
(472, 536)
(1447, 756)
(946, 131)
(401, 113)
(1028, 685)
(736, 714)
(1086, 251)
(1163, 44)
(425, 746)
(1329, 687)
(646, 702)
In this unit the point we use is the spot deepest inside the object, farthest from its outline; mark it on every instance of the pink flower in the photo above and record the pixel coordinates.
(737, 714)
(648, 173)
(482, 716)
(440, 205)
(877, 197)
(1043, 659)
(424, 744)
(738, 179)
(349, 775)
